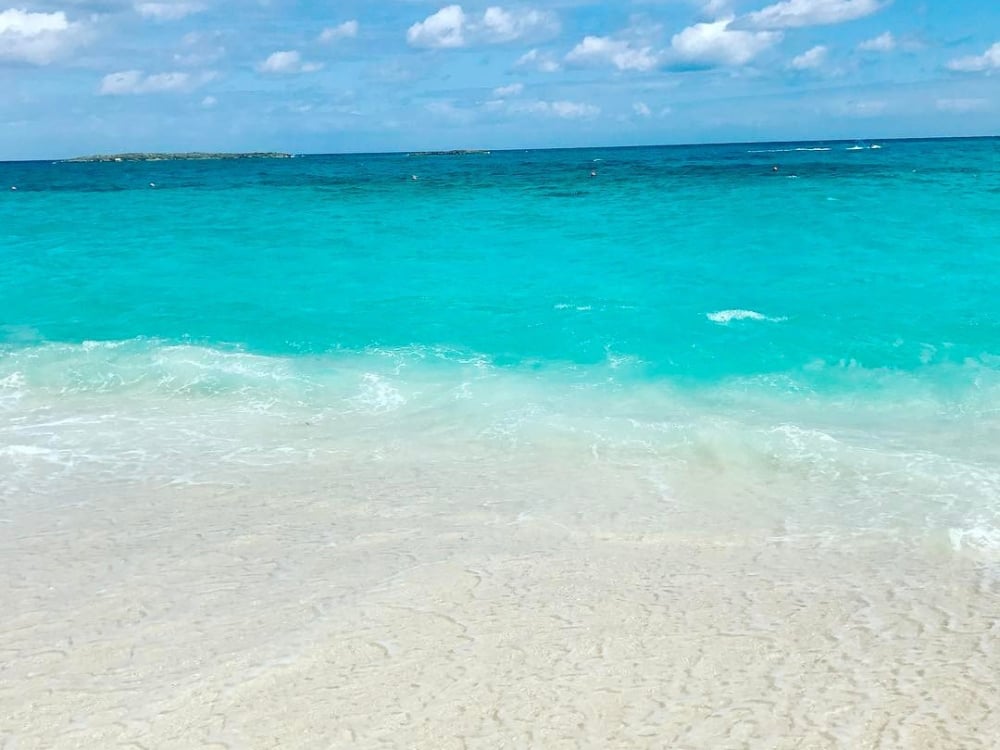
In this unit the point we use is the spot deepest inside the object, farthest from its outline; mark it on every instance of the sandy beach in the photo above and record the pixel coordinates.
(374, 606)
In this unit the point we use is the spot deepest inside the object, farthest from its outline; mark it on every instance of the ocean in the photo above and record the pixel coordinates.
(441, 420)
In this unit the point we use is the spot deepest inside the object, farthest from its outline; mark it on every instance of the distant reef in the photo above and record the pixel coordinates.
(456, 152)
(189, 156)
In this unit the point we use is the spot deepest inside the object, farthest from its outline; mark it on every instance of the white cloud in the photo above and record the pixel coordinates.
(287, 61)
(714, 8)
(573, 110)
(882, 43)
(452, 27)
(501, 25)
(642, 109)
(504, 92)
(346, 30)
(795, 13)
(22, 22)
(716, 44)
(37, 38)
(541, 61)
(137, 82)
(989, 60)
(810, 59)
(199, 50)
(962, 105)
(167, 11)
(563, 109)
(618, 52)
(442, 29)
(209, 101)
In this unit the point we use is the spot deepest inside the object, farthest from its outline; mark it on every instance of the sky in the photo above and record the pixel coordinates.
(310, 76)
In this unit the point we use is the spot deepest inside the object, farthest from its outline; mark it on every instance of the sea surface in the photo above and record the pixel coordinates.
(836, 321)
(797, 343)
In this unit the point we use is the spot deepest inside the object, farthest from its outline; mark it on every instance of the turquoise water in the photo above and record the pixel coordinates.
(513, 297)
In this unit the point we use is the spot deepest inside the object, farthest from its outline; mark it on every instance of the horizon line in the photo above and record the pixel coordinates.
(522, 149)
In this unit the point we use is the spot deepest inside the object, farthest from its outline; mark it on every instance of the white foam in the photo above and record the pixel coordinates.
(616, 361)
(90, 346)
(724, 317)
(786, 150)
(12, 382)
(977, 539)
(31, 451)
(377, 395)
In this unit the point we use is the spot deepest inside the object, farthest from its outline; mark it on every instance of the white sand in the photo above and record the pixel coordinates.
(404, 604)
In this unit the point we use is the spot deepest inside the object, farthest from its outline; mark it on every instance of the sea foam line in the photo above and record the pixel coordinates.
(724, 317)
(786, 150)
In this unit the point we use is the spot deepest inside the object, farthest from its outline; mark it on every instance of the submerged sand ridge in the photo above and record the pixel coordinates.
(412, 603)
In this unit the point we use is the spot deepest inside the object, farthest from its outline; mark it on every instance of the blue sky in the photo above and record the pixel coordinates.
(305, 76)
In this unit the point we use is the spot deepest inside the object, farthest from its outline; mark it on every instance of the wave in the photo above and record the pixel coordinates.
(724, 317)
(150, 368)
(835, 440)
(787, 150)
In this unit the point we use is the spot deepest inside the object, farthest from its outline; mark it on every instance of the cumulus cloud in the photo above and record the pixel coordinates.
(540, 61)
(37, 38)
(452, 27)
(167, 11)
(287, 61)
(714, 8)
(622, 54)
(642, 109)
(129, 82)
(499, 25)
(882, 43)
(346, 30)
(810, 59)
(440, 30)
(716, 43)
(989, 60)
(796, 13)
(503, 92)
(567, 110)
(572, 110)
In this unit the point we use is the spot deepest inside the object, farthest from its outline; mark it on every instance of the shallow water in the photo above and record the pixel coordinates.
(689, 453)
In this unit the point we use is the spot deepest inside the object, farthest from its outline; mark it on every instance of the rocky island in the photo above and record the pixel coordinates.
(189, 156)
